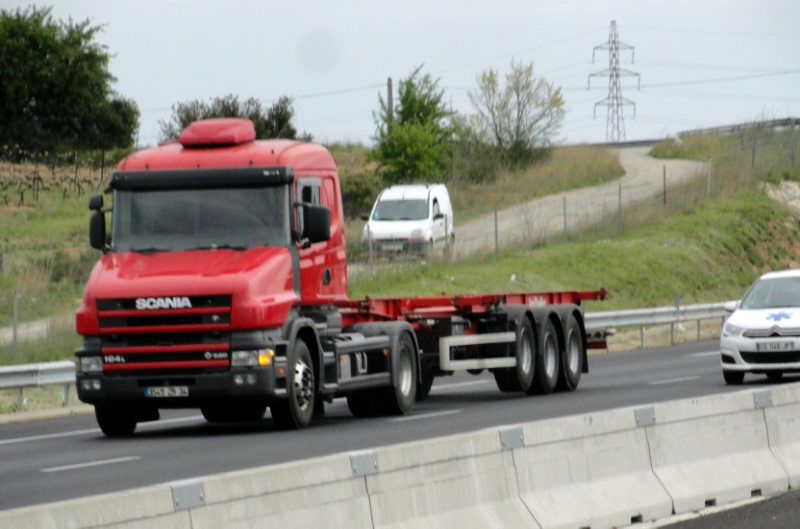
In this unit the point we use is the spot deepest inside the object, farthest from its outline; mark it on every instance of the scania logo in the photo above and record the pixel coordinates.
(211, 355)
(163, 303)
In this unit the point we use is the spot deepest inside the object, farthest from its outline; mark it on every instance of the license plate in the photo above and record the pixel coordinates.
(768, 347)
(392, 247)
(172, 391)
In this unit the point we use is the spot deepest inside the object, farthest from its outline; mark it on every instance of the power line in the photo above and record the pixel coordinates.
(706, 32)
(723, 79)
(615, 120)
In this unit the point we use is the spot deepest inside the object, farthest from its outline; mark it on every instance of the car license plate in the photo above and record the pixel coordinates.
(172, 391)
(392, 247)
(768, 347)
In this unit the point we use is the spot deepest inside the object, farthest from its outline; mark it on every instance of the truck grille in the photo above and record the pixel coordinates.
(151, 340)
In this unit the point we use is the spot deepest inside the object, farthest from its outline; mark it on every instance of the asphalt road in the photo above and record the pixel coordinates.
(780, 512)
(59, 459)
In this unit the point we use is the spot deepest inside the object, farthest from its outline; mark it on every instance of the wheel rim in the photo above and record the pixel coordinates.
(573, 352)
(550, 356)
(525, 350)
(404, 373)
(303, 384)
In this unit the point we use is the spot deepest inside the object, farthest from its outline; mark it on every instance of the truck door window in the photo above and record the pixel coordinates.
(308, 192)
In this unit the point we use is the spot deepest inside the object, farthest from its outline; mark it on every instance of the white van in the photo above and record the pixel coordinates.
(416, 218)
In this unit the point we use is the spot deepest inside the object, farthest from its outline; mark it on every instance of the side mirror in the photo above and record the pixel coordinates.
(438, 216)
(96, 202)
(97, 229)
(731, 306)
(365, 216)
(317, 221)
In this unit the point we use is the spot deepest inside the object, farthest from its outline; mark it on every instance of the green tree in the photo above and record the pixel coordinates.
(521, 117)
(413, 139)
(55, 86)
(274, 122)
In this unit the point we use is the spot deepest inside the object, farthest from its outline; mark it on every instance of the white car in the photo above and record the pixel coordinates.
(414, 219)
(762, 335)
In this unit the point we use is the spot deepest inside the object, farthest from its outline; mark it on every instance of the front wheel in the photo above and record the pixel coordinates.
(295, 412)
(115, 422)
(733, 378)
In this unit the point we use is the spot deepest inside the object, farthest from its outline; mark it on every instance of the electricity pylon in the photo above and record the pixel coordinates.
(615, 123)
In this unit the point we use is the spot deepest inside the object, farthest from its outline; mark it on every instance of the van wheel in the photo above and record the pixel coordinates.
(295, 412)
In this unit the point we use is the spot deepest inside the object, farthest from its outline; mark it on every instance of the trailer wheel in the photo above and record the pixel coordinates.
(572, 359)
(295, 412)
(115, 421)
(399, 398)
(521, 377)
(547, 362)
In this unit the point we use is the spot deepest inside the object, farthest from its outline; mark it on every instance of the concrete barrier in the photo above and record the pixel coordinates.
(589, 471)
(783, 428)
(457, 482)
(713, 450)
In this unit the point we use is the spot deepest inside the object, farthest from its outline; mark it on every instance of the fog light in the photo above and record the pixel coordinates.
(238, 380)
(95, 384)
(89, 385)
(251, 379)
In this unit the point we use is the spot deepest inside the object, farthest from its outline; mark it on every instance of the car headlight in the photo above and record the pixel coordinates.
(91, 364)
(732, 330)
(417, 234)
(260, 357)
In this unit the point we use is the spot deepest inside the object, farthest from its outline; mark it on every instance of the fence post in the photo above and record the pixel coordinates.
(369, 244)
(15, 318)
(565, 219)
(709, 176)
(665, 186)
(619, 212)
(496, 243)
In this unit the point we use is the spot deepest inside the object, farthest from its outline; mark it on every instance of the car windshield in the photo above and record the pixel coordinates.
(773, 293)
(401, 210)
(188, 219)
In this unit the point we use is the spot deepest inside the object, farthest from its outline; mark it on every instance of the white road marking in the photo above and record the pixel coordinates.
(75, 433)
(426, 415)
(92, 464)
(458, 385)
(674, 380)
(700, 355)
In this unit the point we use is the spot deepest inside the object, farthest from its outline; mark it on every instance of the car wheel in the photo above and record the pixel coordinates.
(733, 378)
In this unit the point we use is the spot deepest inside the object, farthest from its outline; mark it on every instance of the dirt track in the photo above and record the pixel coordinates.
(544, 217)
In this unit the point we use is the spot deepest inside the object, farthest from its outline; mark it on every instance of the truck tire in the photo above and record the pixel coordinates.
(244, 413)
(547, 362)
(399, 398)
(572, 359)
(519, 378)
(115, 421)
(425, 386)
(295, 412)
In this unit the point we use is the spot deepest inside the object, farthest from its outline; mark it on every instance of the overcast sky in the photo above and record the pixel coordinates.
(334, 57)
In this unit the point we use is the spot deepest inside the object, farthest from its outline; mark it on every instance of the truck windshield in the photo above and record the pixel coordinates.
(401, 210)
(188, 219)
(773, 293)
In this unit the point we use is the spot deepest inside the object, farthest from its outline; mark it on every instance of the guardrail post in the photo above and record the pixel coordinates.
(641, 335)
(66, 395)
(698, 330)
(14, 329)
(19, 400)
(672, 334)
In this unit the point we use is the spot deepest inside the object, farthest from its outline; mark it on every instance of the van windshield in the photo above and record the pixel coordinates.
(401, 210)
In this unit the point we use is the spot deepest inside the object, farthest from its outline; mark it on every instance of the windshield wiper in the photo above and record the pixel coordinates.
(149, 250)
(221, 247)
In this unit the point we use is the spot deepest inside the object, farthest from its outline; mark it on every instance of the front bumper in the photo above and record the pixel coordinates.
(742, 354)
(396, 246)
(204, 389)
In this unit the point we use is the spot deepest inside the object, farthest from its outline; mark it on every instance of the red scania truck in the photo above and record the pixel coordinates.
(223, 287)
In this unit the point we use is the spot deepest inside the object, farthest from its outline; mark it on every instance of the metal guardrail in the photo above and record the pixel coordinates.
(24, 376)
(598, 326)
(601, 324)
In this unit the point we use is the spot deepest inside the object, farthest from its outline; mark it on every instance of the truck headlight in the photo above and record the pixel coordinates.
(91, 364)
(732, 330)
(260, 357)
